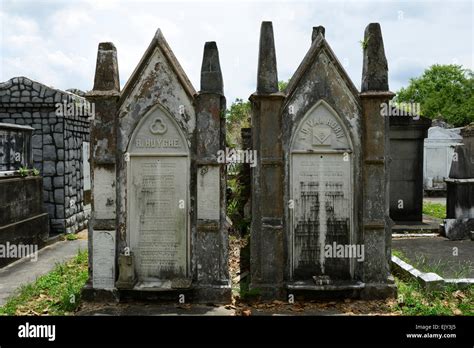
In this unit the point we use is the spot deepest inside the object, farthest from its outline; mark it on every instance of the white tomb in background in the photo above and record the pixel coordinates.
(438, 153)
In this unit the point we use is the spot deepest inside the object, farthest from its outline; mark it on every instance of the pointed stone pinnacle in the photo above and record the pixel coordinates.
(211, 75)
(267, 75)
(106, 70)
(375, 68)
(316, 31)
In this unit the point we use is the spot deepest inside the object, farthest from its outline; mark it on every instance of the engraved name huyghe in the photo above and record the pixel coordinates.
(157, 143)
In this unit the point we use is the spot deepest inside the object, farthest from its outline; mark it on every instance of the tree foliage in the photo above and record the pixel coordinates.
(443, 91)
(282, 85)
(237, 117)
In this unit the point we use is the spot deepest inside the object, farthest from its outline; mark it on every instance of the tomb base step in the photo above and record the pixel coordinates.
(162, 285)
(164, 293)
(308, 290)
(310, 285)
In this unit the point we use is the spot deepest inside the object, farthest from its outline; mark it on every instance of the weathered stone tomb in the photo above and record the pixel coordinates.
(320, 206)
(407, 134)
(459, 222)
(158, 191)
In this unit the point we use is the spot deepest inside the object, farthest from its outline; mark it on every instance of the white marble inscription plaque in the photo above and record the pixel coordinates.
(86, 165)
(103, 256)
(321, 189)
(104, 193)
(158, 211)
(208, 192)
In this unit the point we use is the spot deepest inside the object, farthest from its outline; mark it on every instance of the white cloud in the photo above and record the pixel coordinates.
(55, 42)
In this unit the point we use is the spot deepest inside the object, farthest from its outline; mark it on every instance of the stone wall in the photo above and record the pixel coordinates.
(24, 224)
(22, 217)
(407, 134)
(57, 146)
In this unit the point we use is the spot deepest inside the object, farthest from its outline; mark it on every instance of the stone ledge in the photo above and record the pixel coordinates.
(355, 290)
(461, 283)
(459, 181)
(430, 281)
(376, 94)
(90, 294)
(329, 287)
(195, 293)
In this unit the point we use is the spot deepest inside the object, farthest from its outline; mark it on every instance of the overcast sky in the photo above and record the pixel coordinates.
(55, 42)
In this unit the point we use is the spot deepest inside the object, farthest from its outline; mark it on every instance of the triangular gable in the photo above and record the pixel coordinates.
(159, 42)
(319, 45)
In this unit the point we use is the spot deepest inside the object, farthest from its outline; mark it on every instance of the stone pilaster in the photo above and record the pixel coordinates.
(211, 239)
(267, 237)
(375, 167)
(104, 95)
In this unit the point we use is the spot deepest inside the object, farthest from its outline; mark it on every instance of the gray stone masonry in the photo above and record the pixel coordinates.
(57, 145)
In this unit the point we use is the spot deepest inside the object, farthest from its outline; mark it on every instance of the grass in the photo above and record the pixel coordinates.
(414, 300)
(400, 255)
(71, 236)
(247, 294)
(441, 266)
(55, 293)
(437, 210)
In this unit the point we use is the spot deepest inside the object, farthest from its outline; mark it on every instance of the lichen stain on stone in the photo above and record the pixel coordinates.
(101, 147)
(145, 89)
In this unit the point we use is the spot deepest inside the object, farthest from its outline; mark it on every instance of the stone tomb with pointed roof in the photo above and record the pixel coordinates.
(320, 221)
(158, 190)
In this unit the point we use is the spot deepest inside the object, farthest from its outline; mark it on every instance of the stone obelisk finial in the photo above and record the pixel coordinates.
(267, 76)
(316, 31)
(106, 71)
(211, 75)
(375, 68)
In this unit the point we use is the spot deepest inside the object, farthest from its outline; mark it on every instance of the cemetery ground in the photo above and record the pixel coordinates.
(58, 292)
(49, 286)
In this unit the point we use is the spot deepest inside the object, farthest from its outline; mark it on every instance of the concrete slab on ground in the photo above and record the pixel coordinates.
(25, 271)
(439, 253)
(147, 309)
(441, 200)
(321, 308)
(429, 224)
(151, 309)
